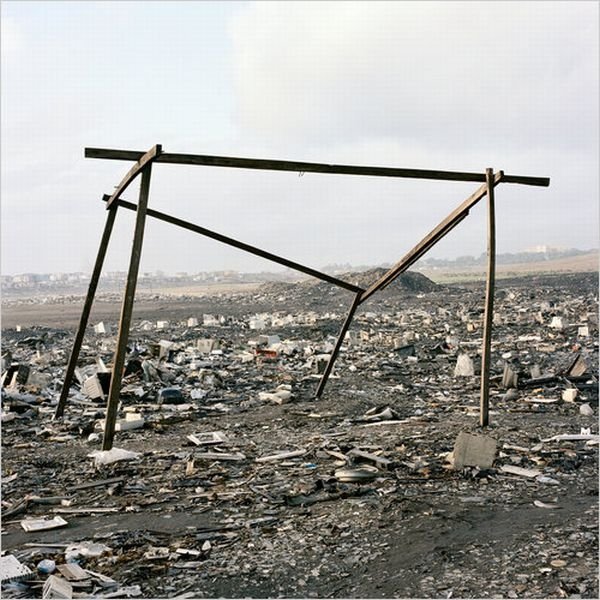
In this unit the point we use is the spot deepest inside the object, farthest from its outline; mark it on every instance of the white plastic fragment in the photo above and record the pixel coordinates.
(85, 550)
(586, 410)
(514, 470)
(12, 570)
(547, 480)
(282, 455)
(549, 505)
(129, 591)
(573, 437)
(358, 474)
(106, 457)
(30, 525)
(210, 437)
(57, 587)
(570, 394)
(583, 331)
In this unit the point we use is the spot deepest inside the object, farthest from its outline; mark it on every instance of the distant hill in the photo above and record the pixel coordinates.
(579, 262)
(508, 258)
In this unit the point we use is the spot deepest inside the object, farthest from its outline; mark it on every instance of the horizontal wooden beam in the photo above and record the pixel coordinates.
(539, 181)
(142, 161)
(242, 246)
(304, 167)
(432, 238)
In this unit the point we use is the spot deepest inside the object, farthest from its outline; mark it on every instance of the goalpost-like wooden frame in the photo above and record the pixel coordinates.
(143, 165)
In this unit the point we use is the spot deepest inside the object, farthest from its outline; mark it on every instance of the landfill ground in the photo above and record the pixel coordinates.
(266, 510)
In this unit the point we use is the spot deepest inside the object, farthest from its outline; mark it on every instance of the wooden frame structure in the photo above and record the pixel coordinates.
(143, 166)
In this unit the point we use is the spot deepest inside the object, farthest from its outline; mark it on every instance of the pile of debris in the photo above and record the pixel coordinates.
(229, 479)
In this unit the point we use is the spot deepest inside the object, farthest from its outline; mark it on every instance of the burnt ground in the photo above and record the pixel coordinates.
(289, 527)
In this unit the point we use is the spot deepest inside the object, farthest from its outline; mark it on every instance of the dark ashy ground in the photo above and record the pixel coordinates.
(288, 527)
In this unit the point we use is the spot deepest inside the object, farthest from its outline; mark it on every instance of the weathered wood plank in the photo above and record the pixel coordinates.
(126, 311)
(243, 246)
(145, 159)
(306, 167)
(489, 304)
(85, 313)
(432, 238)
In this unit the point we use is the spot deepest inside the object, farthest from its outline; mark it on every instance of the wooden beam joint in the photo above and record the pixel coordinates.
(144, 160)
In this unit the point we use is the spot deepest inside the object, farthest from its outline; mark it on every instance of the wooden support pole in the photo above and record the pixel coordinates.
(338, 345)
(126, 311)
(85, 313)
(489, 303)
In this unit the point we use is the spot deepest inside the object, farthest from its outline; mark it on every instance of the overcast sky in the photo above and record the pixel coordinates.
(434, 85)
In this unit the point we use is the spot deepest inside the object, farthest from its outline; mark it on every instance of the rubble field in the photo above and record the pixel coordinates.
(229, 479)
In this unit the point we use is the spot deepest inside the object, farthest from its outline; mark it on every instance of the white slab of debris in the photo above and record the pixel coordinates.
(106, 457)
(131, 421)
(57, 587)
(218, 456)
(514, 470)
(12, 570)
(211, 437)
(473, 451)
(573, 437)
(30, 525)
(282, 455)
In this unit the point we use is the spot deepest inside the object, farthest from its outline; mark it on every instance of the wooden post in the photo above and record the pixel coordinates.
(126, 311)
(489, 303)
(338, 345)
(85, 313)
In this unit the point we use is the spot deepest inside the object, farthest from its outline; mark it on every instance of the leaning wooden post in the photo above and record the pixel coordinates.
(338, 344)
(85, 313)
(126, 311)
(489, 303)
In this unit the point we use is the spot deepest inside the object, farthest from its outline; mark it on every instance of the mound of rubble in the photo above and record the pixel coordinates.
(317, 294)
(228, 479)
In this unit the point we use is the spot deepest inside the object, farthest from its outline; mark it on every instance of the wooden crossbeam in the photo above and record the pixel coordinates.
(305, 167)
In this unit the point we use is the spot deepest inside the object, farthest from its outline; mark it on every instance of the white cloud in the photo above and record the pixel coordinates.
(444, 73)
(11, 38)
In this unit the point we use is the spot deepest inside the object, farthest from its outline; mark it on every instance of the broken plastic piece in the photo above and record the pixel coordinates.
(85, 550)
(211, 437)
(513, 470)
(282, 455)
(358, 475)
(106, 457)
(12, 570)
(57, 587)
(30, 525)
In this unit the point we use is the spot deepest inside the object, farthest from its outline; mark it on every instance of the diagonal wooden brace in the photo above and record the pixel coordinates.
(144, 160)
(451, 221)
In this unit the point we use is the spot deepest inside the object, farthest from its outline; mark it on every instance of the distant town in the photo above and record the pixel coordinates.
(112, 280)
(76, 283)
